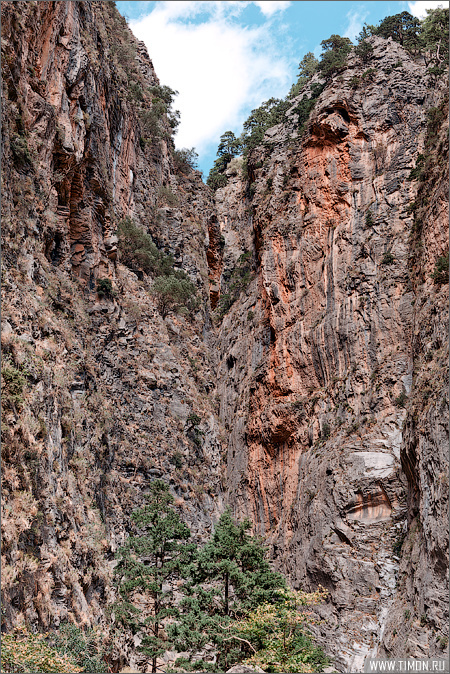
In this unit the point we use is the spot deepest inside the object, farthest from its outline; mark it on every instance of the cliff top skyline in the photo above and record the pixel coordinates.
(226, 58)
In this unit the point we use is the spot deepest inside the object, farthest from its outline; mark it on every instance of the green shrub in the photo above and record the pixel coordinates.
(176, 459)
(369, 219)
(268, 114)
(388, 258)
(104, 288)
(135, 91)
(401, 399)
(185, 160)
(402, 28)
(23, 651)
(407, 614)
(13, 382)
(150, 123)
(174, 292)
(334, 55)
(355, 82)
(216, 180)
(416, 172)
(305, 106)
(397, 547)
(167, 196)
(193, 420)
(137, 250)
(307, 67)
(325, 432)
(440, 274)
(229, 147)
(20, 151)
(364, 51)
(81, 646)
(368, 74)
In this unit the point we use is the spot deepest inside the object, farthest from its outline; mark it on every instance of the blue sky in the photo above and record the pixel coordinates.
(227, 57)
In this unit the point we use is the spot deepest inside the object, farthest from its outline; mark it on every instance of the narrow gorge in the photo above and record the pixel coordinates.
(299, 376)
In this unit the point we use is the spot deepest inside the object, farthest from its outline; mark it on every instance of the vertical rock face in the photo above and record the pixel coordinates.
(96, 390)
(329, 367)
(318, 375)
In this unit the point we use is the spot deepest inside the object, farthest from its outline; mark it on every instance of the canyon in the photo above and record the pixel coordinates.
(316, 405)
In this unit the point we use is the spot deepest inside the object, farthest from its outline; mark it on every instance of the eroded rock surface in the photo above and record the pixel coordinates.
(322, 394)
(318, 355)
(108, 385)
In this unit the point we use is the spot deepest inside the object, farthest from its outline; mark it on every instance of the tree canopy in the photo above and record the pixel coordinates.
(151, 556)
(334, 54)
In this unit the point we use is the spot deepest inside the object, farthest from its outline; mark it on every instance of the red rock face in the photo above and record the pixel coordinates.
(314, 396)
(108, 384)
(330, 367)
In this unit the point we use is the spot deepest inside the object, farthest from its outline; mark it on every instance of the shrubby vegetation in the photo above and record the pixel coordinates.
(231, 599)
(185, 160)
(440, 274)
(23, 651)
(138, 251)
(174, 292)
(238, 280)
(13, 383)
(229, 147)
(81, 646)
(334, 55)
(428, 38)
(172, 288)
(308, 66)
(277, 633)
(105, 288)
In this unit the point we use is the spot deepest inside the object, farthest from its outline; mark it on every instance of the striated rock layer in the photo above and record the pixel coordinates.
(322, 393)
(332, 450)
(107, 384)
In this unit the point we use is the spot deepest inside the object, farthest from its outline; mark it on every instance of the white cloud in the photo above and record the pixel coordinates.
(418, 8)
(218, 66)
(356, 18)
(269, 7)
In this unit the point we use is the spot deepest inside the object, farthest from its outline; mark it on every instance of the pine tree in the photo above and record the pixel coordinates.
(229, 577)
(434, 38)
(306, 69)
(334, 55)
(156, 554)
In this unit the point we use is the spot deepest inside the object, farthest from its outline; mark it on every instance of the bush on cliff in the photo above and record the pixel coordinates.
(440, 274)
(23, 651)
(174, 292)
(229, 147)
(185, 160)
(138, 251)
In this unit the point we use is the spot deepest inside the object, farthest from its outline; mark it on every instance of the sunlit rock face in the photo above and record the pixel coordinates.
(322, 392)
(318, 358)
(109, 385)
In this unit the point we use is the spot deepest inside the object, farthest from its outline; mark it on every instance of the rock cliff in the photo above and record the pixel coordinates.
(338, 429)
(316, 404)
(97, 390)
